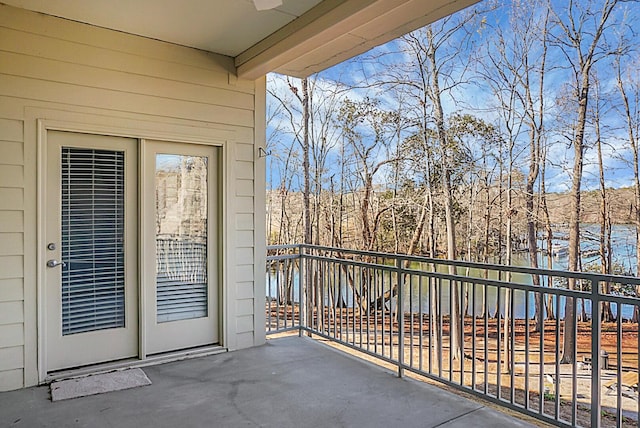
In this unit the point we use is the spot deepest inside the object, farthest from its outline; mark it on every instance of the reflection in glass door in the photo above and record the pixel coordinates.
(181, 237)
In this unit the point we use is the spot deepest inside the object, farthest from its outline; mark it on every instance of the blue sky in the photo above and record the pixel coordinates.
(474, 96)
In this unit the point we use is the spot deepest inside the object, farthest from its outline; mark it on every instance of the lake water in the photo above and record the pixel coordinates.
(623, 244)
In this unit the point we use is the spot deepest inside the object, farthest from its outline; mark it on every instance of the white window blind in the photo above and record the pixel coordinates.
(181, 279)
(92, 240)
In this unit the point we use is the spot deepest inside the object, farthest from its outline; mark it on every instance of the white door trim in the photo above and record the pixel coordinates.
(151, 328)
(38, 121)
(99, 344)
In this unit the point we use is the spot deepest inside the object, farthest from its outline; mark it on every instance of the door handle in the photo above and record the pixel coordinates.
(54, 263)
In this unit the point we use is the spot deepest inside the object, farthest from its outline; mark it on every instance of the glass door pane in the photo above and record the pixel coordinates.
(92, 211)
(181, 186)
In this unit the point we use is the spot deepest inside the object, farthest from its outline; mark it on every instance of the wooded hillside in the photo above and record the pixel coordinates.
(620, 202)
(287, 226)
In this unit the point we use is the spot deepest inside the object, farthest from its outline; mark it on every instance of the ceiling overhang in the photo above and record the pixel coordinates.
(337, 30)
(298, 38)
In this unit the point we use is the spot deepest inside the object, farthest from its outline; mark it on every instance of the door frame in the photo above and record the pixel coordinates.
(90, 345)
(185, 132)
(147, 168)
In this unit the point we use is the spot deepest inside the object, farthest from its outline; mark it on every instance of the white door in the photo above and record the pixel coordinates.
(90, 289)
(180, 239)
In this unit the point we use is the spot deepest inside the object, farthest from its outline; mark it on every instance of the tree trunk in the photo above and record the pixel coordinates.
(577, 41)
(548, 233)
(604, 236)
(447, 195)
(568, 347)
(532, 233)
(632, 124)
(507, 291)
(305, 162)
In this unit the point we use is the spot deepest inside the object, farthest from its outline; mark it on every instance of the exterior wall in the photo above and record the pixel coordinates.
(57, 70)
(12, 235)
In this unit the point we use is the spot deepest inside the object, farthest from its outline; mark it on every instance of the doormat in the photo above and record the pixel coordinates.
(98, 384)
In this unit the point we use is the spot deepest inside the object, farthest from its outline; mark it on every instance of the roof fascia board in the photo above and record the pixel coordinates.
(307, 31)
(336, 30)
(375, 30)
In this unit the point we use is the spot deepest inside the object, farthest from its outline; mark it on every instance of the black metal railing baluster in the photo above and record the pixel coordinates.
(337, 288)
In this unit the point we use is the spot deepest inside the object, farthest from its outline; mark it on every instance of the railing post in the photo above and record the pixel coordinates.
(596, 316)
(302, 306)
(400, 315)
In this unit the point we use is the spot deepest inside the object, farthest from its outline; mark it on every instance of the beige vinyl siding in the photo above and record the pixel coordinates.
(11, 335)
(11, 267)
(50, 67)
(245, 290)
(11, 254)
(11, 290)
(13, 244)
(244, 236)
(245, 230)
(11, 197)
(244, 221)
(11, 220)
(11, 379)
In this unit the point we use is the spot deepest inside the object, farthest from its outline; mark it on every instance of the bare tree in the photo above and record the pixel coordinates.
(582, 27)
(284, 162)
(547, 226)
(629, 89)
(366, 129)
(304, 118)
(604, 238)
(434, 40)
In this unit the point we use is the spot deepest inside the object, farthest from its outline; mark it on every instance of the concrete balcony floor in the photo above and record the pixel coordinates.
(289, 382)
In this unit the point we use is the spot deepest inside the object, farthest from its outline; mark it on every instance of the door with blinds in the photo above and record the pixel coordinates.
(180, 239)
(90, 291)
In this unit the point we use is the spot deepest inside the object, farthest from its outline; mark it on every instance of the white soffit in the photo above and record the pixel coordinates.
(298, 38)
(227, 27)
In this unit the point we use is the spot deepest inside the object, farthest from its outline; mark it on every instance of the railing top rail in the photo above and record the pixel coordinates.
(460, 263)
(628, 300)
(283, 247)
(282, 257)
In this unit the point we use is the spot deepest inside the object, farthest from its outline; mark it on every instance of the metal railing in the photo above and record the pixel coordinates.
(491, 330)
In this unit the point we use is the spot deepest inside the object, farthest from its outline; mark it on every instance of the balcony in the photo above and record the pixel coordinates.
(351, 300)
(396, 310)
(290, 382)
